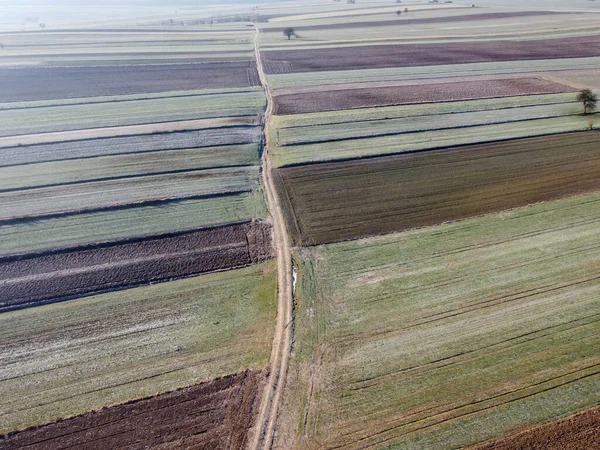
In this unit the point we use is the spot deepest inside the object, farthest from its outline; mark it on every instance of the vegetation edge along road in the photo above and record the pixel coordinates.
(264, 429)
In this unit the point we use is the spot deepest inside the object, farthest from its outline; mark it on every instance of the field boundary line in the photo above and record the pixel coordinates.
(265, 424)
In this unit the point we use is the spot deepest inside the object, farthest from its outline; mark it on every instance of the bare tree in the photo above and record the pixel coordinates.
(588, 99)
(289, 32)
(42, 25)
(405, 10)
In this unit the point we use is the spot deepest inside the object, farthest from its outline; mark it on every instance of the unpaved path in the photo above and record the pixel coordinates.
(266, 420)
(129, 130)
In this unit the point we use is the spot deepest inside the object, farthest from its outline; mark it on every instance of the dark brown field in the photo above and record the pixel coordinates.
(414, 55)
(33, 279)
(308, 102)
(421, 21)
(338, 201)
(209, 416)
(25, 84)
(578, 432)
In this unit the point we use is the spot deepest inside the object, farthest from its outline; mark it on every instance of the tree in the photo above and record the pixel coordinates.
(588, 99)
(289, 32)
(398, 13)
(42, 25)
(405, 10)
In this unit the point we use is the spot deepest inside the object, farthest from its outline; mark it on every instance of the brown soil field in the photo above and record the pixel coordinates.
(32, 279)
(308, 102)
(215, 415)
(578, 432)
(25, 84)
(421, 21)
(86, 148)
(339, 201)
(414, 55)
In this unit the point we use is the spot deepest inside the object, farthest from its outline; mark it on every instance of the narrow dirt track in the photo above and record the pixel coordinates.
(264, 429)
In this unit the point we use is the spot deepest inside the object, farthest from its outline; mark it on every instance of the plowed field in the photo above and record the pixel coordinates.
(338, 201)
(17, 85)
(214, 415)
(578, 432)
(36, 279)
(414, 55)
(308, 102)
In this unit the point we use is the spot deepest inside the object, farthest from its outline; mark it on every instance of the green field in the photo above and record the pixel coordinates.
(127, 165)
(64, 359)
(39, 117)
(354, 129)
(447, 336)
(424, 140)
(93, 228)
(127, 191)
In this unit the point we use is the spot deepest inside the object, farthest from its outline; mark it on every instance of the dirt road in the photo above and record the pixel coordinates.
(266, 421)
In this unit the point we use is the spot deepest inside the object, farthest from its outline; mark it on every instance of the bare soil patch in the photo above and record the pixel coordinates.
(32, 279)
(578, 432)
(331, 202)
(49, 83)
(308, 102)
(421, 21)
(215, 415)
(415, 55)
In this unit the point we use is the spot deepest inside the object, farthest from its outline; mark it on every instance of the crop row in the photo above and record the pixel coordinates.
(406, 125)
(129, 112)
(87, 148)
(60, 360)
(89, 196)
(126, 165)
(425, 140)
(136, 221)
(448, 336)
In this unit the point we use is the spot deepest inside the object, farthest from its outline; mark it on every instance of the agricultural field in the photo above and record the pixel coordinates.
(64, 359)
(383, 195)
(439, 183)
(214, 415)
(447, 336)
(137, 287)
(299, 225)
